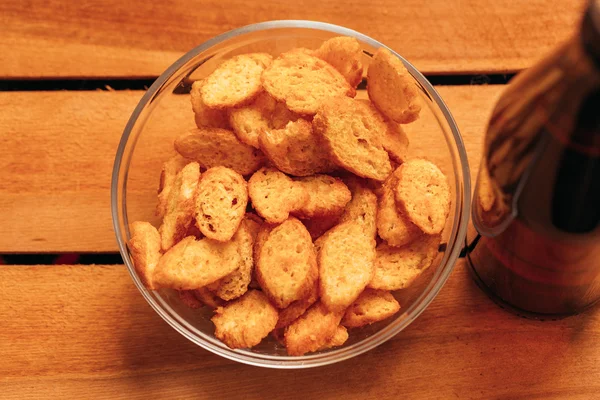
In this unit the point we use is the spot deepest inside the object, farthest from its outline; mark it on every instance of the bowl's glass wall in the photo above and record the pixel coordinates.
(165, 112)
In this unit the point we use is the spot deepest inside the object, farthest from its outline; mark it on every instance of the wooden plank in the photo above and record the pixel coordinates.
(115, 38)
(58, 150)
(86, 332)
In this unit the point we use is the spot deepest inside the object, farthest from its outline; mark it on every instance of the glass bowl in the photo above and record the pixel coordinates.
(164, 112)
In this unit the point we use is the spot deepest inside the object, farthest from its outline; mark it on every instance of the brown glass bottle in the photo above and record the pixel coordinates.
(536, 207)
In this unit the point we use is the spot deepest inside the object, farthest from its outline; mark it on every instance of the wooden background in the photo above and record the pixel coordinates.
(82, 331)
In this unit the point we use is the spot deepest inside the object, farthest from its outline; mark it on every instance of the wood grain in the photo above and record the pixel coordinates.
(97, 38)
(86, 332)
(58, 150)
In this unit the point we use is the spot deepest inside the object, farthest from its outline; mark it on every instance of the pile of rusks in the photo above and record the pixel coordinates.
(292, 209)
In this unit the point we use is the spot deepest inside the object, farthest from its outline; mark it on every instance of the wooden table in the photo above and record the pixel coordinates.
(84, 331)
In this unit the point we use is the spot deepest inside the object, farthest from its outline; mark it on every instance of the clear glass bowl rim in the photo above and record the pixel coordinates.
(333, 356)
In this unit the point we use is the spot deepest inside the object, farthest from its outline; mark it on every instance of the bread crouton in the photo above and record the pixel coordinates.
(303, 82)
(392, 89)
(423, 193)
(179, 213)
(236, 283)
(395, 142)
(344, 54)
(392, 224)
(281, 116)
(295, 149)
(213, 147)
(208, 298)
(168, 173)
(346, 264)
(398, 267)
(193, 264)
(144, 246)
(351, 132)
(286, 267)
(313, 330)
(204, 116)
(338, 339)
(274, 195)
(298, 307)
(362, 208)
(370, 307)
(221, 200)
(235, 82)
(247, 122)
(318, 226)
(327, 196)
(244, 322)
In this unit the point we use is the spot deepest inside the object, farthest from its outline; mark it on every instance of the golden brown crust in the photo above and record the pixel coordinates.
(295, 149)
(303, 82)
(286, 266)
(423, 194)
(235, 82)
(244, 322)
(144, 246)
(213, 147)
(351, 132)
(370, 307)
(395, 142)
(392, 89)
(344, 54)
(193, 264)
(346, 263)
(398, 267)
(179, 213)
(312, 330)
(247, 122)
(298, 307)
(327, 196)
(204, 116)
(221, 200)
(392, 224)
(274, 195)
(362, 208)
(236, 283)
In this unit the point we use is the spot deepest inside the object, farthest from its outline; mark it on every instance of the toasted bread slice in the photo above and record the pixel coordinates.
(351, 132)
(338, 339)
(295, 149)
(247, 122)
(327, 196)
(370, 307)
(188, 298)
(392, 89)
(286, 267)
(204, 116)
(193, 264)
(344, 54)
(313, 330)
(392, 224)
(318, 226)
(235, 82)
(303, 82)
(423, 193)
(346, 264)
(274, 195)
(213, 147)
(395, 142)
(363, 206)
(236, 283)
(144, 246)
(282, 116)
(298, 307)
(169, 171)
(208, 298)
(221, 200)
(179, 213)
(244, 322)
(398, 267)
